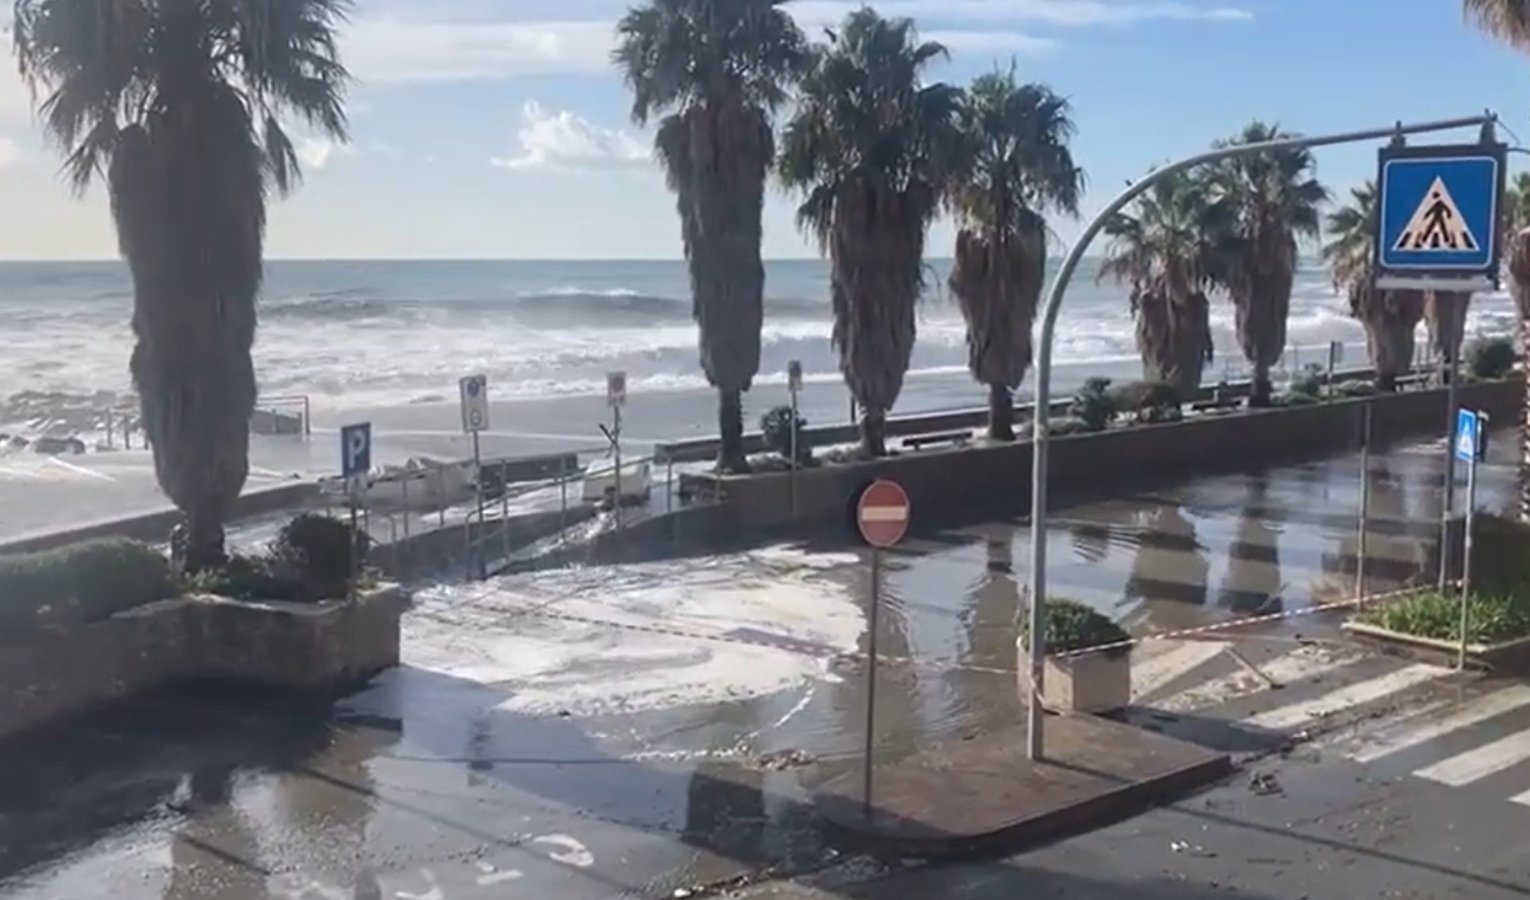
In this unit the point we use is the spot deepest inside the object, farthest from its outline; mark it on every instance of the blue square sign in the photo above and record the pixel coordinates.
(356, 450)
(1438, 210)
(1468, 439)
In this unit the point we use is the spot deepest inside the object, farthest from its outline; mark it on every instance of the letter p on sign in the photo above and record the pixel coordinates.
(356, 449)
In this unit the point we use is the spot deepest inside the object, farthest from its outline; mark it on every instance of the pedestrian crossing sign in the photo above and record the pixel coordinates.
(1438, 210)
(1468, 435)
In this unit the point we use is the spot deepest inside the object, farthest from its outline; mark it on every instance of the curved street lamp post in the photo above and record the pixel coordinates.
(1043, 398)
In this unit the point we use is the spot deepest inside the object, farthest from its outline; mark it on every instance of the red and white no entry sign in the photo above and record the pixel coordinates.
(883, 514)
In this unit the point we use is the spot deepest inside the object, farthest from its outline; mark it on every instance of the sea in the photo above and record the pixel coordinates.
(383, 333)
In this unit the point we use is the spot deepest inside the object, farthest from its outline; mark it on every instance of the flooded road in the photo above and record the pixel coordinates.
(656, 727)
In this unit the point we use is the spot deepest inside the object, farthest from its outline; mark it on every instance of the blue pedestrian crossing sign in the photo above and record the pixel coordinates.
(1469, 444)
(1438, 211)
(356, 450)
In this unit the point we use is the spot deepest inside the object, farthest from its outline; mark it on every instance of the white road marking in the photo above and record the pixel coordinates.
(1300, 664)
(1411, 733)
(432, 892)
(1467, 767)
(489, 875)
(1151, 673)
(1294, 714)
(571, 852)
(1522, 799)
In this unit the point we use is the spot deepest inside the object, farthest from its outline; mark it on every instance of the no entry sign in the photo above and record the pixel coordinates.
(883, 514)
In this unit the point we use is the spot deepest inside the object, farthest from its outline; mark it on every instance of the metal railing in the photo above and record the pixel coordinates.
(276, 405)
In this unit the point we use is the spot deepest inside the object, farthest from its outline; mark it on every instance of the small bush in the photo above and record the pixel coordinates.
(1491, 618)
(249, 578)
(1093, 404)
(320, 553)
(777, 428)
(1071, 626)
(81, 583)
(1068, 425)
(1355, 389)
(1308, 384)
(1490, 359)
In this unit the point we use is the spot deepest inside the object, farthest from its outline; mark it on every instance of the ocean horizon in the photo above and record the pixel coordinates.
(393, 332)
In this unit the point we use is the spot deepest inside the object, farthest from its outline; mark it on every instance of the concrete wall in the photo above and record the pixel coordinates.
(953, 477)
(320, 648)
(155, 526)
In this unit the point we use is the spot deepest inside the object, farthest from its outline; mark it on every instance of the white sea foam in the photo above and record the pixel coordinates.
(642, 637)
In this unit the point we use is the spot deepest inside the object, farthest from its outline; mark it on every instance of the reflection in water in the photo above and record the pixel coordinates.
(725, 811)
(1170, 571)
(1397, 553)
(215, 854)
(1253, 584)
(1091, 541)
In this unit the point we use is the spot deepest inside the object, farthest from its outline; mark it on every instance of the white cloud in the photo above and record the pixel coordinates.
(10, 151)
(1063, 13)
(317, 152)
(563, 140)
(992, 42)
(392, 49)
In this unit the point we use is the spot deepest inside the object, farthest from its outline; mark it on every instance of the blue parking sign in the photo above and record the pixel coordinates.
(1468, 439)
(356, 449)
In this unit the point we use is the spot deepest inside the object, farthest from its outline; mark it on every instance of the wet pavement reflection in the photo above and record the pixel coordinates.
(640, 730)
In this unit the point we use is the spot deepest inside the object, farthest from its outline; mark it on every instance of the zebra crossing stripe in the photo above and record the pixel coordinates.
(1294, 714)
(1410, 733)
(1464, 768)
(1301, 664)
(1158, 670)
(1522, 799)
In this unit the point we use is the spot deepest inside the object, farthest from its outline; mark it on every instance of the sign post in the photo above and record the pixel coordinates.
(1335, 356)
(882, 515)
(1469, 445)
(1362, 545)
(475, 418)
(794, 385)
(616, 397)
(355, 463)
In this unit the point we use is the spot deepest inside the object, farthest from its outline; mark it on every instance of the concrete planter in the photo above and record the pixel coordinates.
(321, 648)
(1507, 655)
(1091, 683)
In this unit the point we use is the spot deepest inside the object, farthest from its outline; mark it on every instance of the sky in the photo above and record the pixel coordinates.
(499, 129)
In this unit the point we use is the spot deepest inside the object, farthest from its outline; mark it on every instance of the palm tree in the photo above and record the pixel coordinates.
(871, 148)
(180, 105)
(719, 69)
(1015, 165)
(1275, 199)
(1174, 246)
(1389, 317)
(1445, 314)
(1509, 21)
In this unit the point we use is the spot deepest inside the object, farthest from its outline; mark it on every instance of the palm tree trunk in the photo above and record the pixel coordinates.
(730, 425)
(1001, 413)
(874, 433)
(1519, 286)
(1261, 389)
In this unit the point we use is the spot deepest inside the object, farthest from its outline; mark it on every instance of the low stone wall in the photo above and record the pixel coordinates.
(324, 648)
(155, 526)
(1000, 473)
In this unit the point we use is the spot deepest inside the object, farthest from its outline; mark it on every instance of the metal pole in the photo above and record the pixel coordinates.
(616, 441)
(669, 484)
(478, 492)
(791, 491)
(109, 441)
(1333, 363)
(1466, 559)
(563, 495)
(355, 567)
(1448, 509)
(871, 676)
(1055, 294)
(504, 505)
(1363, 547)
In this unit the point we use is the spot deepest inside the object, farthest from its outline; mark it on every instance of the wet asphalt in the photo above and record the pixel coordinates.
(443, 780)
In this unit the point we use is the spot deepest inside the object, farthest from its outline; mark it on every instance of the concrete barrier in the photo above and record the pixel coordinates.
(321, 648)
(1000, 473)
(155, 526)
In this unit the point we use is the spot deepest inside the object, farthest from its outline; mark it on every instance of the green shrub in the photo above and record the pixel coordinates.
(1491, 617)
(320, 553)
(1355, 389)
(249, 578)
(777, 428)
(1066, 426)
(1308, 384)
(1093, 404)
(1071, 625)
(1149, 402)
(81, 583)
(1490, 358)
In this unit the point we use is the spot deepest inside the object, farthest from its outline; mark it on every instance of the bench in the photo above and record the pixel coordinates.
(958, 438)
